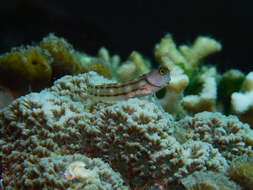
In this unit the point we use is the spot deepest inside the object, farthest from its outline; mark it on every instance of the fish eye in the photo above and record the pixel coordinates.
(162, 71)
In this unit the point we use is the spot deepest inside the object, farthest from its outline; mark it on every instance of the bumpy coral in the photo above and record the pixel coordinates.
(135, 137)
(231, 137)
(208, 181)
(48, 172)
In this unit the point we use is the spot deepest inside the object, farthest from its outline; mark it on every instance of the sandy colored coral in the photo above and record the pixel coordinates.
(208, 181)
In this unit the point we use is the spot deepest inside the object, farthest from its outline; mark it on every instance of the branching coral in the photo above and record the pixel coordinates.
(184, 63)
(188, 58)
(206, 99)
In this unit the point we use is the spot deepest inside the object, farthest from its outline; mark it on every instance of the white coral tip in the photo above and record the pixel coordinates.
(242, 102)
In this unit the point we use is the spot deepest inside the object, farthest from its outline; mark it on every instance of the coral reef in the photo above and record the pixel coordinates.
(37, 66)
(135, 137)
(193, 88)
(208, 181)
(61, 138)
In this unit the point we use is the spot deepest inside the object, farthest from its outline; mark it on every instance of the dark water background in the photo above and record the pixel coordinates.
(126, 25)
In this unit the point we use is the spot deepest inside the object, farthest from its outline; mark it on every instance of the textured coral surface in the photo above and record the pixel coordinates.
(43, 133)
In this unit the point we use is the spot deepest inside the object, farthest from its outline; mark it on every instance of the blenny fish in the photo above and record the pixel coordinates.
(145, 85)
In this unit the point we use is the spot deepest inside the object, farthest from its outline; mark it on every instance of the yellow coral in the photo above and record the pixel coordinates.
(66, 60)
(69, 61)
(25, 67)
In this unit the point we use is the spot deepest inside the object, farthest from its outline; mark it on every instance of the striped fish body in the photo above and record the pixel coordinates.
(146, 84)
